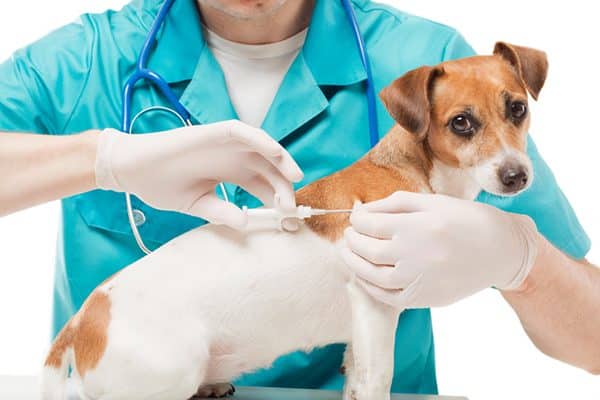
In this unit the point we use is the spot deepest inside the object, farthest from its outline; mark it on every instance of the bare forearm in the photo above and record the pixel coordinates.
(559, 305)
(37, 168)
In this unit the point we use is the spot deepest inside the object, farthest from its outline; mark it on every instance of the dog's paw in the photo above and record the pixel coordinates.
(349, 394)
(212, 391)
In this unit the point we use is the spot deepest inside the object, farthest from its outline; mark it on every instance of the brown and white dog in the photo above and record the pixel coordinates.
(215, 303)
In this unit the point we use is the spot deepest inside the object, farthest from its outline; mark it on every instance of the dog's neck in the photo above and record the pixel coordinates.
(399, 162)
(400, 149)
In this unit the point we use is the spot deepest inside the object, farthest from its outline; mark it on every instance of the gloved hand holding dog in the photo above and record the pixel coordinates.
(420, 250)
(179, 170)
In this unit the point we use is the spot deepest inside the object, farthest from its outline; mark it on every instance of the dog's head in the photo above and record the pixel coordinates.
(472, 114)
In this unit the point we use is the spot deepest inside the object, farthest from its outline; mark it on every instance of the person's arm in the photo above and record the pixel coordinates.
(35, 169)
(559, 307)
(175, 170)
(40, 87)
(559, 304)
(420, 250)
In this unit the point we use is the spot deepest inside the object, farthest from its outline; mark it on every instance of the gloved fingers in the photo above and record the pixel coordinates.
(386, 296)
(380, 276)
(288, 167)
(383, 225)
(280, 184)
(260, 188)
(237, 131)
(405, 274)
(273, 190)
(402, 202)
(397, 298)
(218, 212)
(376, 251)
(260, 142)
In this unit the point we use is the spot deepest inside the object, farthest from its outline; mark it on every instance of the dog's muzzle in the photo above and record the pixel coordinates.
(514, 177)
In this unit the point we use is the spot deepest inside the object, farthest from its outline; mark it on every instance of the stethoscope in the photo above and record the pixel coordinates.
(178, 110)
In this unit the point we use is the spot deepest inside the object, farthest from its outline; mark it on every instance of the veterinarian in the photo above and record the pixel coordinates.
(292, 69)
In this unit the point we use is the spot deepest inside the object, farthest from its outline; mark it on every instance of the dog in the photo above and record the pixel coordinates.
(215, 303)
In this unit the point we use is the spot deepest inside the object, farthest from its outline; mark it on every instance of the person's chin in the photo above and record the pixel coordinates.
(246, 9)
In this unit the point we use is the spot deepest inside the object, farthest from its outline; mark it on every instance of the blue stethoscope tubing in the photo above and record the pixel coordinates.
(142, 72)
(364, 57)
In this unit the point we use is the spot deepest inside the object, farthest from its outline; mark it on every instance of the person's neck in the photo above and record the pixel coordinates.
(286, 21)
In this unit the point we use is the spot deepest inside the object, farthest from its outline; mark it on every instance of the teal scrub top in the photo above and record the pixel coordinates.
(71, 81)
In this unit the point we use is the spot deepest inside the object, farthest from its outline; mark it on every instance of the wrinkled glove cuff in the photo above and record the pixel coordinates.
(527, 233)
(105, 178)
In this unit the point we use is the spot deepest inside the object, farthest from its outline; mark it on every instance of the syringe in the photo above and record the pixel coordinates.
(276, 216)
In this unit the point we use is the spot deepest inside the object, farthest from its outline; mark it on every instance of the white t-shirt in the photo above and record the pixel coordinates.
(254, 72)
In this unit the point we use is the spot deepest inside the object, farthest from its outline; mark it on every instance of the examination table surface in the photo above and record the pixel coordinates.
(26, 388)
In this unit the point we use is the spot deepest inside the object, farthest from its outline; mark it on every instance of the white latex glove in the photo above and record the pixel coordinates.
(178, 170)
(422, 250)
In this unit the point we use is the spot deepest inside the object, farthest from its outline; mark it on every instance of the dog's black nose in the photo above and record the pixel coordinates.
(514, 178)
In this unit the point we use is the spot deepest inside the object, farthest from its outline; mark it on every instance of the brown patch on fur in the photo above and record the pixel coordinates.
(62, 342)
(408, 99)
(423, 102)
(91, 337)
(489, 80)
(530, 64)
(395, 164)
(86, 333)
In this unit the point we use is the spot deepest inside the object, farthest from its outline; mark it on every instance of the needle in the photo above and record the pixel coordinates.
(320, 211)
(300, 212)
(274, 217)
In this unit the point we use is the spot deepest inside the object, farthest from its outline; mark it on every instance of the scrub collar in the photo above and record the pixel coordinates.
(329, 50)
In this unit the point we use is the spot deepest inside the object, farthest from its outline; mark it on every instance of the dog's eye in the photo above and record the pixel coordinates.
(518, 110)
(462, 125)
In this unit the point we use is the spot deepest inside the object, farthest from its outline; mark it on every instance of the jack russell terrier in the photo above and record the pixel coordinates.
(215, 303)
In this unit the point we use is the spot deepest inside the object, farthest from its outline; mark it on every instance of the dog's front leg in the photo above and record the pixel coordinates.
(373, 333)
(350, 374)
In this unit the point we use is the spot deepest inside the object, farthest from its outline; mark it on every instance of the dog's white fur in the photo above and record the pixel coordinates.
(486, 174)
(467, 182)
(176, 326)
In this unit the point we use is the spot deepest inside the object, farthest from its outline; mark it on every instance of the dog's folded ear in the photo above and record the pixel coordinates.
(408, 99)
(531, 65)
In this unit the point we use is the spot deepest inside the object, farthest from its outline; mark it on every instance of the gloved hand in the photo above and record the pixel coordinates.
(424, 250)
(178, 170)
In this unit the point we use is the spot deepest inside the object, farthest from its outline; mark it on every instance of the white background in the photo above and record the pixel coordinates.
(482, 351)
